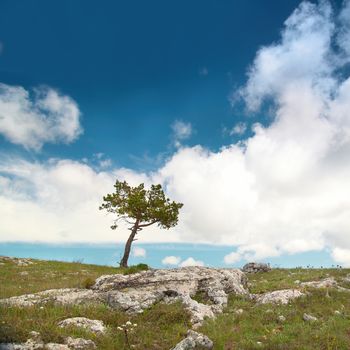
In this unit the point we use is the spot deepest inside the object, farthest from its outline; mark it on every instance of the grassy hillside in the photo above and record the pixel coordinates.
(243, 325)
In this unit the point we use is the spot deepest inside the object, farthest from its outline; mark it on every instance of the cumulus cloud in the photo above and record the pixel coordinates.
(239, 129)
(191, 262)
(232, 258)
(33, 118)
(139, 252)
(171, 260)
(181, 131)
(284, 190)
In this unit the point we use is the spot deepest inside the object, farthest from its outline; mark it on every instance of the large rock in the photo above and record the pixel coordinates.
(325, 283)
(65, 296)
(277, 297)
(137, 292)
(194, 340)
(254, 267)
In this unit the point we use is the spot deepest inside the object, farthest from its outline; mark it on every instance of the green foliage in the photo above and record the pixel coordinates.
(146, 207)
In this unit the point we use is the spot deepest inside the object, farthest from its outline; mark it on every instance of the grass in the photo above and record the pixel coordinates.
(42, 275)
(162, 326)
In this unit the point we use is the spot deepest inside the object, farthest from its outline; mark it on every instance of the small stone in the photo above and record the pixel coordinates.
(193, 341)
(239, 311)
(309, 318)
(95, 326)
(337, 312)
(297, 281)
(80, 343)
(55, 346)
(281, 318)
(24, 273)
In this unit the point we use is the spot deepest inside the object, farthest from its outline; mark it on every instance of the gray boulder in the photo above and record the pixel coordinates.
(95, 326)
(254, 267)
(194, 340)
(278, 296)
(137, 292)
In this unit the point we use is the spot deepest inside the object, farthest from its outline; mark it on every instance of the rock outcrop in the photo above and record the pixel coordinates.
(35, 343)
(278, 296)
(65, 296)
(254, 267)
(137, 292)
(325, 283)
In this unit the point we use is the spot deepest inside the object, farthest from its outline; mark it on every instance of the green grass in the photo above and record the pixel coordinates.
(42, 275)
(162, 326)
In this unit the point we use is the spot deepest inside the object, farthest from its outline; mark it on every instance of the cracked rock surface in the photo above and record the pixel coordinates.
(137, 292)
(282, 296)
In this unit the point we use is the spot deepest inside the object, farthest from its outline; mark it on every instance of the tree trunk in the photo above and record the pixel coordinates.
(127, 249)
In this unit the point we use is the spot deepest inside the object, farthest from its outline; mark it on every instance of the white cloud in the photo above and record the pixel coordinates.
(282, 191)
(191, 262)
(232, 258)
(139, 252)
(171, 260)
(238, 129)
(341, 256)
(32, 119)
(181, 131)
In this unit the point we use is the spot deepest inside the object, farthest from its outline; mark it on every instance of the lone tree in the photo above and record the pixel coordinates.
(140, 208)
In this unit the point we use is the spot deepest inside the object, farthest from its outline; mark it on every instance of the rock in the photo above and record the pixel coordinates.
(65, 296)
(347, 278)
(137, 292)
(194, 340)
(55, 346)
(325, 283)
(17, 261)
(239, 312)
(277, 297)
(297, 281)
(30, 344)
(281, 318)
(254, 267)
(94, 326)
(80, 343)
(309, 318)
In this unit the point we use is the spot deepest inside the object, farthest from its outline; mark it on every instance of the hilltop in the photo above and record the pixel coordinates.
(278, 309)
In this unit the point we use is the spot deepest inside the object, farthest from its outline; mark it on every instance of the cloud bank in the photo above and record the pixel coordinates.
(32, 119)
(284, 190)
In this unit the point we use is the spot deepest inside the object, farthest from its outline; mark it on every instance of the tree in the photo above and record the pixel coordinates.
(140, 208)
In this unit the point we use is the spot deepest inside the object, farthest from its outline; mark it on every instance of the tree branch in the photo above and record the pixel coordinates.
(148, 224)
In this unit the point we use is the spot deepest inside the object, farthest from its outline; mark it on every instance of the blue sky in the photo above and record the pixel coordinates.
(135, 67)
(238, 108)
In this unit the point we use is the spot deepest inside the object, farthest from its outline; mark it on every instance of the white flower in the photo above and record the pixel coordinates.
(120, 328)
(128, 323)
(135, 324)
